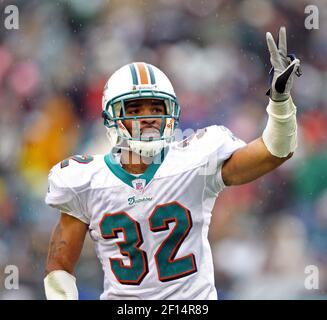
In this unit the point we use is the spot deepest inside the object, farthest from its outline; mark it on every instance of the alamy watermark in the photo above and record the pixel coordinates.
(311, 281)
(11, 280)
(11, 17)
(312, 19)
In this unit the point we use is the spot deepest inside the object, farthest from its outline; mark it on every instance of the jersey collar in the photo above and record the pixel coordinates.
(128, 178)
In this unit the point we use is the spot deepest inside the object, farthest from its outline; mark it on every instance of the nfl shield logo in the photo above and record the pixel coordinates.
(139, 184)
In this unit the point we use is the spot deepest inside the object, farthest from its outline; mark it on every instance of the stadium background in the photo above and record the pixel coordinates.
(52, 72)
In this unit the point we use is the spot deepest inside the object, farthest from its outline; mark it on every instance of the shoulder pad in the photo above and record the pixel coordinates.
(74, 172)
(205, 140)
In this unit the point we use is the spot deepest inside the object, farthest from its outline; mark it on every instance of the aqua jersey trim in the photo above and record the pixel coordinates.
(126, 177)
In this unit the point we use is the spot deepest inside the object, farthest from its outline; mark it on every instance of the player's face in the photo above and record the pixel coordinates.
(147, 127)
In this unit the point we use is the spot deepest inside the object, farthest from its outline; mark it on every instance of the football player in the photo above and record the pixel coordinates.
(147, 203)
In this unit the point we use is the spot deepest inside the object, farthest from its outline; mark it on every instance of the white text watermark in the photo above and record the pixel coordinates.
(311, 21)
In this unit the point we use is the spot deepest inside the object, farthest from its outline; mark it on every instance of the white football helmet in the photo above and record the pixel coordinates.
(139, 80)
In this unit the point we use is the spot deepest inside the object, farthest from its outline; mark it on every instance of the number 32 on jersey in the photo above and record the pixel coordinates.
(168, 268)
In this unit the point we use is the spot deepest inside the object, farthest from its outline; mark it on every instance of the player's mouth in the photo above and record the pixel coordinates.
(150, 132)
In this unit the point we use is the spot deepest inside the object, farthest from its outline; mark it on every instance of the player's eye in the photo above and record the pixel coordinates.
(132, 111)
(158, 107)
(157, 110)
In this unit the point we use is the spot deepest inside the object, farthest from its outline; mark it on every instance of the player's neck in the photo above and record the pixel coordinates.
(133, 162)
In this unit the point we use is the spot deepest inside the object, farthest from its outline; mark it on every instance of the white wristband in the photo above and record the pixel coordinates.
(280, 134)
(60, 285)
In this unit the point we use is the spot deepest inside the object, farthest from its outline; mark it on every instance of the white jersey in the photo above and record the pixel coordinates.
(150, 231)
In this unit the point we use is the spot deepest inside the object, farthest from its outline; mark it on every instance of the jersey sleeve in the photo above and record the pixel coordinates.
(224, 143)
(64, 195)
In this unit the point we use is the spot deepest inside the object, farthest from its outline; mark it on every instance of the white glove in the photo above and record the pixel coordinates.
(284, 67)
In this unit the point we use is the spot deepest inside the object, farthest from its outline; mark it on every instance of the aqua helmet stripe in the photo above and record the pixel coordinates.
(134, 75)
(152, 77)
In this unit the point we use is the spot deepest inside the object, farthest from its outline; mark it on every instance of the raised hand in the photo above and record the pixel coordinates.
(284, 67)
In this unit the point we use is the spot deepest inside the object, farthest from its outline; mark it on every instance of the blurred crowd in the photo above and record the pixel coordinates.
(52, 73)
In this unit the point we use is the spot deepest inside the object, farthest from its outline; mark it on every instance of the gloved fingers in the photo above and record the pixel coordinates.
(282, 42)
(271, 44)
(275, 58)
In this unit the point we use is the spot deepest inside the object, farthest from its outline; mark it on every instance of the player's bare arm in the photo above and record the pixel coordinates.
(279, 138)
(249, 163)
(66, 244)
(64, 251)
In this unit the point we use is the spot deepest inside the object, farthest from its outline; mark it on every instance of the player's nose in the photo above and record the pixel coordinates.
(146, 110)
(149, 121)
